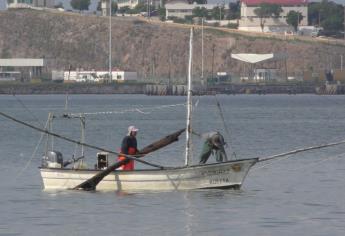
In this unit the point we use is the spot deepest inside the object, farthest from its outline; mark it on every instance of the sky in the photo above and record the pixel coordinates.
(94, 3)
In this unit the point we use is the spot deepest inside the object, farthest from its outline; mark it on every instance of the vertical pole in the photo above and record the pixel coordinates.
(202, 51)
(188, 157)
(51, 130)
(213, 47)
(48, 136)
(285, 62)
(148, 8)
(341, 62)
(110, 70)
(82, 123)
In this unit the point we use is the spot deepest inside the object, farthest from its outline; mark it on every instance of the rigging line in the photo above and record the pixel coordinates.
(323, 160)
(27, 109)
(140, 110)
(304, 166)
(33, 154)
(227, 131)
(270, 163)
(131, 157)
(301, 150)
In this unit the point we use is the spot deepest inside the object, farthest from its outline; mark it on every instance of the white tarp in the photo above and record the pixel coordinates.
(252, 58)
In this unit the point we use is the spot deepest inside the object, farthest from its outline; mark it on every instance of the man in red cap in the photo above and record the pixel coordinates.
(129, 147)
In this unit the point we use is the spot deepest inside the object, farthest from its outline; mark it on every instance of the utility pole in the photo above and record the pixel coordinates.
(298, 21)
(213, 47)
(220, 13)
(110, 70)
(148, 8)
(341, 62)
(202, 50)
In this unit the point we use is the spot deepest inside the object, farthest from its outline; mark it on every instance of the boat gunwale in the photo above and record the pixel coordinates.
(255, 159)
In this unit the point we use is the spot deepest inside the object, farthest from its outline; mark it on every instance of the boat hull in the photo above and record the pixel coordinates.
(229, 174)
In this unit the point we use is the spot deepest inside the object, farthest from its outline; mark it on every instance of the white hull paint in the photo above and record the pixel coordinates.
(229, 174)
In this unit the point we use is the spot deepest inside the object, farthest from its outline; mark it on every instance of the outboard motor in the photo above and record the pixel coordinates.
(53, 159)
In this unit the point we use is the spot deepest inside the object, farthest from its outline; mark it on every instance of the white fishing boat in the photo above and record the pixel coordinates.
(218, 175)
(229, 174)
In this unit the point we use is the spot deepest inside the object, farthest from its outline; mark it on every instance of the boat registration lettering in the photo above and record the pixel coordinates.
(215, 172)
(219, 181)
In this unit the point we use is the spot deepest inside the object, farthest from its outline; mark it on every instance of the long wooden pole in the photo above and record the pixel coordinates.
(189, 102)
(301, 150)
(90, 184)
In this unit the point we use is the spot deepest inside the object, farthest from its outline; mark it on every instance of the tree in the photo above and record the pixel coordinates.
(266, 10)
(234, 10)
(59, 5)
(326, 14)
(140, 7)
(162, 13)
(200, 12)
(217, 13)
(99, 6)
(80, 4)
(293, 18)
(125, 9)
(114, 8)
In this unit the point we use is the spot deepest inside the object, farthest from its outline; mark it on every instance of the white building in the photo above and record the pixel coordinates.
(133, 3)
(98, 76)
(251, 22)
(182, 9)
(128, 3)
(265, 74)
(105, 7)
(30, 3)
(27, 68)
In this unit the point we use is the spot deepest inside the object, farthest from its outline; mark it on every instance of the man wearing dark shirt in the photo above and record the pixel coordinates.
(214, 142)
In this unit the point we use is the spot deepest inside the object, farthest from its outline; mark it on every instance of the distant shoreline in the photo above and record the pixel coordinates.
(64, 88)
(142, 88)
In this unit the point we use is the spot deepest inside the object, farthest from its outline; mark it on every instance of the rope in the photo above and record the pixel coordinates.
(323, 160)
(227, 131)
(27, 109)
(131, 157)
(32, 155)
(139, 110)
(301, 150)
(305, 166)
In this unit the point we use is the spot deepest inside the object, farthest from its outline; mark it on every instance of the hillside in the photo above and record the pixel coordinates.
(150, 48)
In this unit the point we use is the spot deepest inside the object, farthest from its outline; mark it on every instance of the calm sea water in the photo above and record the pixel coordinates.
(301, 195)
